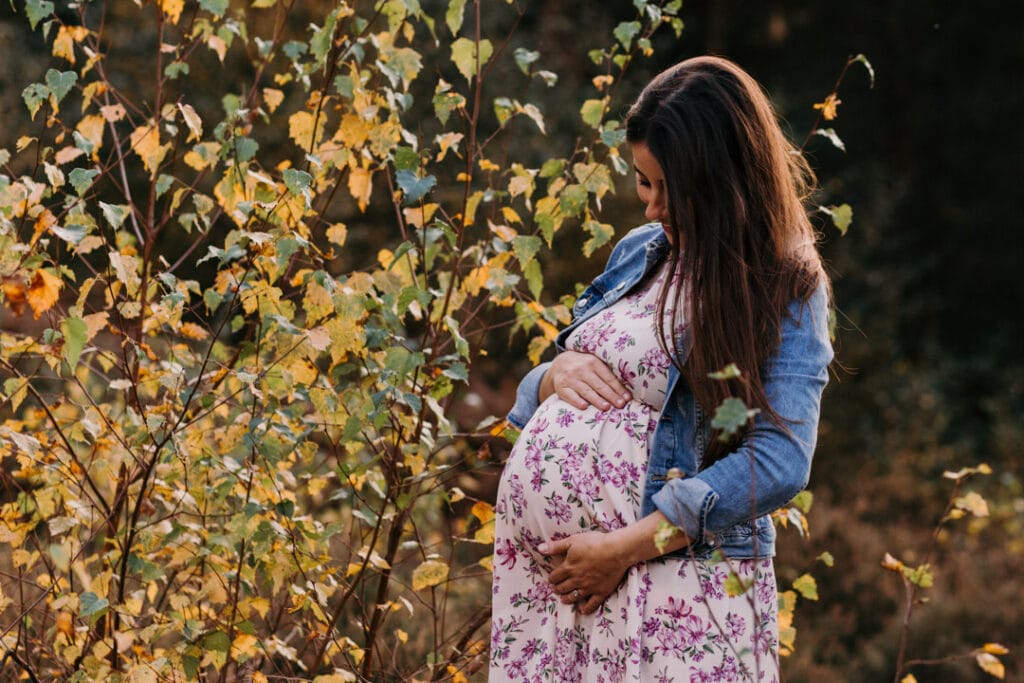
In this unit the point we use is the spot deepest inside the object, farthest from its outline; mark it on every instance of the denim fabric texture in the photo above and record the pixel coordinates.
(724, 506)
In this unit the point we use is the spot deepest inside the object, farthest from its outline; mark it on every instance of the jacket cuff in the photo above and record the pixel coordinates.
(527, 400)
(687, 504)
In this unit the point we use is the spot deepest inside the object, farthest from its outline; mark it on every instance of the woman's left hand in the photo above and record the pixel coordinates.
(592, 563)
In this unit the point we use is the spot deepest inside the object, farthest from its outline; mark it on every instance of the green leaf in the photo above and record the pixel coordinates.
(592, 111)
(60, 83)
(406, 158)
(92, 606)
(453, 15)
(524, 58)
(601, 233)
(734, 586)
(461, 345)
(921, 576)
(827, 559)
(37, 10)
(803, 501)
(730, 371)
(296, 181)
(573, 200)
(414, 188)
(526, 247)
(841, 216)
(625, 32)
(115, 214)
(534, 278)
(246, 148)
(552, 168)
(806, 586)
(216, 641)
(214, 7)
(730, 416)
(72, 234)
(34, 95)
(81, 179)
(466, 56)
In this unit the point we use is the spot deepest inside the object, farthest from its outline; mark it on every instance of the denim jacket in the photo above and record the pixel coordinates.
(725, 505)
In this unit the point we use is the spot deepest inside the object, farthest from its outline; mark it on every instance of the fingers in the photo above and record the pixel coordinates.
(584, 380)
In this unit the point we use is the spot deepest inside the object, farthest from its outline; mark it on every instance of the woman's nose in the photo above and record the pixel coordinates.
(655, 210)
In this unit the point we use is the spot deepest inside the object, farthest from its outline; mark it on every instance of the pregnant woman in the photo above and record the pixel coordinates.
(633, 541)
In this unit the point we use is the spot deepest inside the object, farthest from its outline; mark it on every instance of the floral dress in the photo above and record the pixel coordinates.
(671, 619)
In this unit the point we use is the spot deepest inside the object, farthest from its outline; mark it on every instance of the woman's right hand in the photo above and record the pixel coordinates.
(583, 380)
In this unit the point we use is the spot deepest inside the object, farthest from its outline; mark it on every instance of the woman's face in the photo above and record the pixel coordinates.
(650, 186)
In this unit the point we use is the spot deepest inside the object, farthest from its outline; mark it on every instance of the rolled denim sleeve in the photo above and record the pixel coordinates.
(773, 463)
(527, 400)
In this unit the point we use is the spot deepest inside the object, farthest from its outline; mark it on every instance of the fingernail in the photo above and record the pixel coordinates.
(543, 548)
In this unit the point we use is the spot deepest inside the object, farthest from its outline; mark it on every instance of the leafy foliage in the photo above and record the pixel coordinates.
(226, 455)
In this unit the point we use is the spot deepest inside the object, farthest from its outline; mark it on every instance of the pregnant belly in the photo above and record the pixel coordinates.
(575, 470)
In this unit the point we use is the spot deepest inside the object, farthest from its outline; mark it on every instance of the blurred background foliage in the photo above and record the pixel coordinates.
(930, 374)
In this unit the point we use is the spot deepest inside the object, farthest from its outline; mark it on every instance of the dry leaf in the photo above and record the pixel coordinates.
(43, 292)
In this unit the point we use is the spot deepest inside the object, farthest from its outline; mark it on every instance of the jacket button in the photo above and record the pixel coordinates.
(582, 302)
(620, 286)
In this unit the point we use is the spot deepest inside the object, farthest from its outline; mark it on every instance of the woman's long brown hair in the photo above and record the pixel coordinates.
(743, 241)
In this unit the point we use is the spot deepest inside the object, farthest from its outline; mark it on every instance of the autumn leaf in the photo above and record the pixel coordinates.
(991, 665)
(430, 573)
(828, 107)
(172, 9)
(146, 144)
(14, 294)
(43, 292)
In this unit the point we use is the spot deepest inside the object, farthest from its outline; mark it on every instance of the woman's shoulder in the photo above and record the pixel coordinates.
(638, 239)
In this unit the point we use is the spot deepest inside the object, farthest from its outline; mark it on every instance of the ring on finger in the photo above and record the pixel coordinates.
(575, 594)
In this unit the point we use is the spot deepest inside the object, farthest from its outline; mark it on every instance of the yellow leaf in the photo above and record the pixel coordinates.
(65, 624)
(430, 573)
(91, 128)
(828, 107)
(172, 9)
(64, 42)
(401, 635)
(417, 216)
(446, 142)
(488, 165)
(337, 234)
(600, 82)
(113, 112)
(217, 44)
(974, 503)
(273, 98)
(456, 675)
(891, 563)
(995, 649)
(245, 644)
(485, 534)
(193, 331)
(300, 129)
(360, 185)
(146, 143)
(14, 294)
(43, 292)
(909, 678)
(192, 120)
(991, 665)
(487, 563)
(483, 511)
(336, 678)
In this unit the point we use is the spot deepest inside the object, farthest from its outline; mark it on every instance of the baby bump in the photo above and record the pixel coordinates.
(575, 470)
